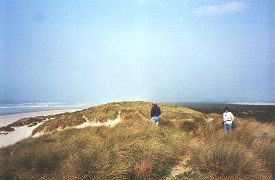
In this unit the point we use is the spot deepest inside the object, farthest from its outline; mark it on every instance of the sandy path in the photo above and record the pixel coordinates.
(182, 166)
(142, 117)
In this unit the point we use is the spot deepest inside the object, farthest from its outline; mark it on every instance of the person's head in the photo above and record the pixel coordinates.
(154, 103)
(226, 109)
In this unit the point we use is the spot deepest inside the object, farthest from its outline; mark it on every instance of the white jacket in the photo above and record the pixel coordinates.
(228, 117)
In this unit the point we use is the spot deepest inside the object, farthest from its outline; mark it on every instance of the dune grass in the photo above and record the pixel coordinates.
(129, 111)
(132, 150)
(135, 149)
(244, 153)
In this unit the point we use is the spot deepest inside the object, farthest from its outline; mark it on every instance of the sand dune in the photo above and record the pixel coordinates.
(24, 131)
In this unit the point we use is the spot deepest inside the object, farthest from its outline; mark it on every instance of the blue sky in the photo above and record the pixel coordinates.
(152, 50)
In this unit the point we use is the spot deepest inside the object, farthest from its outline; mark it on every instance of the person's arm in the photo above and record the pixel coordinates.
(232, 116)
(159, 112)
(152, 112)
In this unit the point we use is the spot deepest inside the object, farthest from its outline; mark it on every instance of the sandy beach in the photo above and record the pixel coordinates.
(24, 131)
(8, 119)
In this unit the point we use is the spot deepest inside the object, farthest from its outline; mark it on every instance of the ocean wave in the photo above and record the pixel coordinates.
(17, 108)
(42, 105)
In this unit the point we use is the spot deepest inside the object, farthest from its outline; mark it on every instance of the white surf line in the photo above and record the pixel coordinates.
(108, 123)
(9, 119)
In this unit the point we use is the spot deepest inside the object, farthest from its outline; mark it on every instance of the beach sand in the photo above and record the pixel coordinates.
(24, 131)
(8, 119)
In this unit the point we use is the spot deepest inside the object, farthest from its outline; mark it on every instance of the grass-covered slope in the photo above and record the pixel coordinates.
(135, 149)
(245, 153)
(102, 113)
(132, 149)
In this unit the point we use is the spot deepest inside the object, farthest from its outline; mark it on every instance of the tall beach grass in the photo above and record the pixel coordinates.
(244, 153)
(132, 150)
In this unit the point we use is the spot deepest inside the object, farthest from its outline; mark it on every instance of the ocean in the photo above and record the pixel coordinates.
(19, 107)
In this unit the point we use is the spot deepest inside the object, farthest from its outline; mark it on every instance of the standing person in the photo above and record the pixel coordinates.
(228, 118)
(155, 113)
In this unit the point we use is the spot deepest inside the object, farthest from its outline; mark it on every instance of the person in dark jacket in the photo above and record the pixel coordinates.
(155, 113)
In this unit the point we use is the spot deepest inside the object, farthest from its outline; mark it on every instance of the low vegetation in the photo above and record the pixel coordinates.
(130, 150)
(135, 149)
(244, 153)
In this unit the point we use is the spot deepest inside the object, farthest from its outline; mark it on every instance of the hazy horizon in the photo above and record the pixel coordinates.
(148, 50)
(29, 102)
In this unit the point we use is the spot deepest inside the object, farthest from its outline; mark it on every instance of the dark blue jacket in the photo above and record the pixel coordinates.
(155, 111)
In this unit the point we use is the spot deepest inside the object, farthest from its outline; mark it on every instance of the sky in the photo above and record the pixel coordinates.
(149, 50)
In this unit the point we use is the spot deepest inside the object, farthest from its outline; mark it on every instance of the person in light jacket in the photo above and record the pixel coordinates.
(228, 118)
(155, 113)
